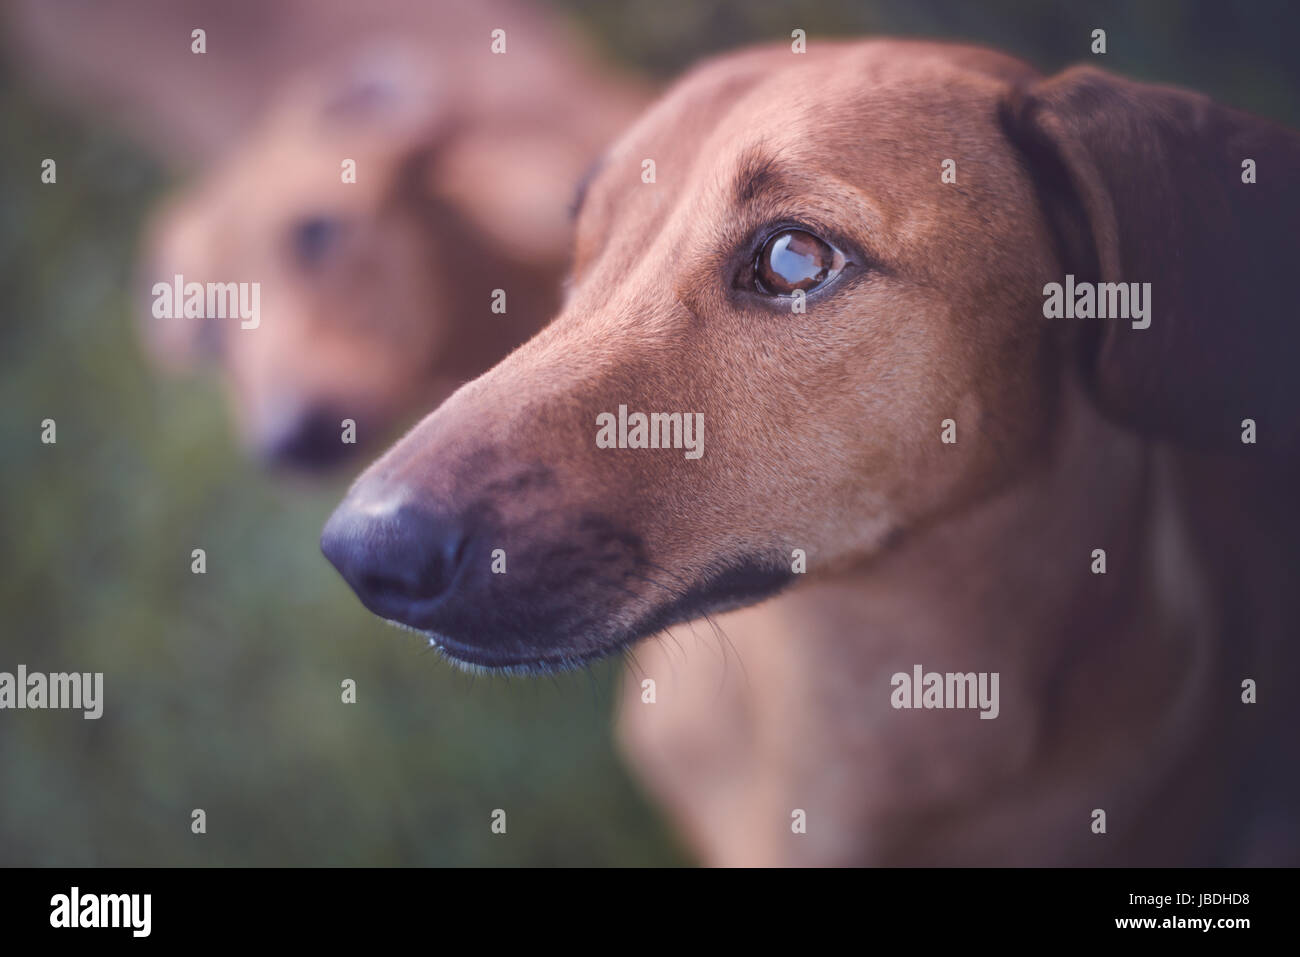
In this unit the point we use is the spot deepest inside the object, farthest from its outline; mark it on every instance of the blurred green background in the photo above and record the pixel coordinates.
(223, 690)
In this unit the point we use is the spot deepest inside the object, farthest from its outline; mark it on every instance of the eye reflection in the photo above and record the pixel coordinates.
(796, 259)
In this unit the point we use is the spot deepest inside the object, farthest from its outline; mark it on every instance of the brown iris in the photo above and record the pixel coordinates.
(795, 259)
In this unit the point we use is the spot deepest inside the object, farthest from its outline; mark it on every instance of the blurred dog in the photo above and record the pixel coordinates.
(869, 344)
(382, 294)
(379, 294)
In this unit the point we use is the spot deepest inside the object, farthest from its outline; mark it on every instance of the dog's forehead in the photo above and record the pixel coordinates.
(872, 93)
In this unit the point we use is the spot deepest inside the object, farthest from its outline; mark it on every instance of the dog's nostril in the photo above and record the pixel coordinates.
(397, 562)
(408, 582)
(458, 558)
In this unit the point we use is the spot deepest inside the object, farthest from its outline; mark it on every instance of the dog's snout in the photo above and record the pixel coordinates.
(308, 440)
(399, 561)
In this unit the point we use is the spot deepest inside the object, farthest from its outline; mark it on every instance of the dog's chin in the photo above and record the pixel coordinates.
(476, 660)
(735, 586)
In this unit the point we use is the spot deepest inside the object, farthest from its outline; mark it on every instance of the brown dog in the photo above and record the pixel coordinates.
(378, 285)
(778, 251)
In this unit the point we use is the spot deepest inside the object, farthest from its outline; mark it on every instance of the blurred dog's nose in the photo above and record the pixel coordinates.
(309, 440)
(398, 561)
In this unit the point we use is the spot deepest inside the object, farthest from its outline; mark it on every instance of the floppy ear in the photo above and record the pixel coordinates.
(1148, 184)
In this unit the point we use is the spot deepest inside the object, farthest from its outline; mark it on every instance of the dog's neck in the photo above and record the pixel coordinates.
(1118, 692)
(1102, 676)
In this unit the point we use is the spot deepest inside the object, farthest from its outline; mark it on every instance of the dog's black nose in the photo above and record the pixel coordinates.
(308, 440)
(399, 561)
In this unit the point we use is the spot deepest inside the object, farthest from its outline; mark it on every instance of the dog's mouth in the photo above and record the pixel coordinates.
(474, 659)
(537, 592)
(735, 585)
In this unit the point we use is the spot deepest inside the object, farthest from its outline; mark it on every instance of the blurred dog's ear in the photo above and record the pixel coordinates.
(1148, 184)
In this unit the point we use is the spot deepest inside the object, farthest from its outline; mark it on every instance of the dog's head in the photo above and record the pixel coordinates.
(781, 254)
(379, 207)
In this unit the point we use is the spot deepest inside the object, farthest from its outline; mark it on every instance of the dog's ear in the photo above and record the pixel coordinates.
(1148, 184)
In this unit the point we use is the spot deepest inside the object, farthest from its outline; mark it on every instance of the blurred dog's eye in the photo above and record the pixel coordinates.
(795, 259)
(314, 238)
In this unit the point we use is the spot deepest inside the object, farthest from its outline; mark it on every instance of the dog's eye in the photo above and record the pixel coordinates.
(795, 259)
(314, 238)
